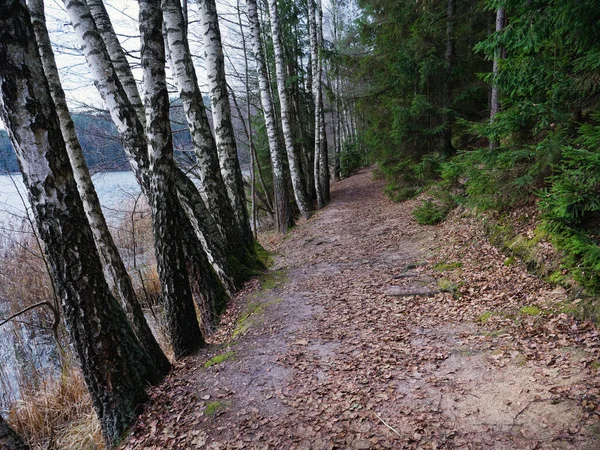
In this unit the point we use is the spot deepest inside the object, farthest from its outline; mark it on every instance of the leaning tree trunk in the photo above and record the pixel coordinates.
(293, 157)
(283, 210)
(104, 240)
(135, 145)
(117, 56)
(112, 360)
(495, 100)
(208, 229)
(214, 61)
(130, 128)
(185, 335)
(214, 190)
(9, 440)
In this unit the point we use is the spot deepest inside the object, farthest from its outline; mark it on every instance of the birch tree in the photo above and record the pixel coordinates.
(136, 146)
(117, 56)
(214, 190)
(102, 236)
(320, 166)
(185, 336)
(293, 157)
(114, 364)
(283, 211)
(221, 113)
(208, 227)
(495, 97)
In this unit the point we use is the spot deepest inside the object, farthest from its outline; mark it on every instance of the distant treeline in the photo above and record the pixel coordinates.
(101, 144)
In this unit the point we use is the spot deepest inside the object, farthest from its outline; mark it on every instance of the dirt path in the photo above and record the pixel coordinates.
(335, 350)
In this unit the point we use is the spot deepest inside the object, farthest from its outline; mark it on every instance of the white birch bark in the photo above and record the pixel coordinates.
(293, 157)
(282, 205)
(214, 61)
(180, 316)
(495, 97)
(132, 133)
(214, 190)
(117, 56)
(102, 236)
(113, 362)
(136, 146)
(316, 94)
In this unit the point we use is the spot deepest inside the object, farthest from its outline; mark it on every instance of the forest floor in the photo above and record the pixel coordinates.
(372, 331)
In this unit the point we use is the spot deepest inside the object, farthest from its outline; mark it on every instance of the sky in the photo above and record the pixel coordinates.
(76, 79)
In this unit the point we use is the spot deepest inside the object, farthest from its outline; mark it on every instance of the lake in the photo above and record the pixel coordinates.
(113, 189)
(116, 191)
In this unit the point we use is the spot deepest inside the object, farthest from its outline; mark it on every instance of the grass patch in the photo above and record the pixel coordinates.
(510, 261)
(530, 310)
(263, 255)
(214, 408)
(444, 266)
(273, 279)
(446, 285)
(218, 359)
(486, 316)
(595, 365)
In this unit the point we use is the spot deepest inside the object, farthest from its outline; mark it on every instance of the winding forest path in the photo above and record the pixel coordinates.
(374, 332)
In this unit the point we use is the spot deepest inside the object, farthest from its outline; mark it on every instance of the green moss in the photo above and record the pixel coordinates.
(446, 285)
(510, 261)
(443, 266)
(272, 279)
(595, 365)
(530, 310)
(486, 316)
(214, 408)
(218, 359)
(263, 255)
(245, 321)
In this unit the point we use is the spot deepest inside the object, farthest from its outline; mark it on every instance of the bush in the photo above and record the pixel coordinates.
(407, 178)
(430, 213)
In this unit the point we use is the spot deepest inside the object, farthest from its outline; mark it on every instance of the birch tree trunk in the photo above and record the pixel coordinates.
(283, 211)
(135, 145)
(316, 93)
(221, 112)
(215, 231)
(9, 440)
(214, 190)
(114, 364)
(182, 325)
(324, 174)
(293, 157)
(102, 236)
(117, 56)
(495, 100)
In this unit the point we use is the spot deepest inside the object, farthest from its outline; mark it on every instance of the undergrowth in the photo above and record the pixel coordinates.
(558, 175)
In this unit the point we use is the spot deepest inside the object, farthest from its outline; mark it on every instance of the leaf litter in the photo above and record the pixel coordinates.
(385, 335)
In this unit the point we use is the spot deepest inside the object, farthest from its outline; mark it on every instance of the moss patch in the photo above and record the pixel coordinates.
(486, 316)
(214, 408)
(273, 279)
(530, 310)
(218, 359)
(445, 266)
(263, 255)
